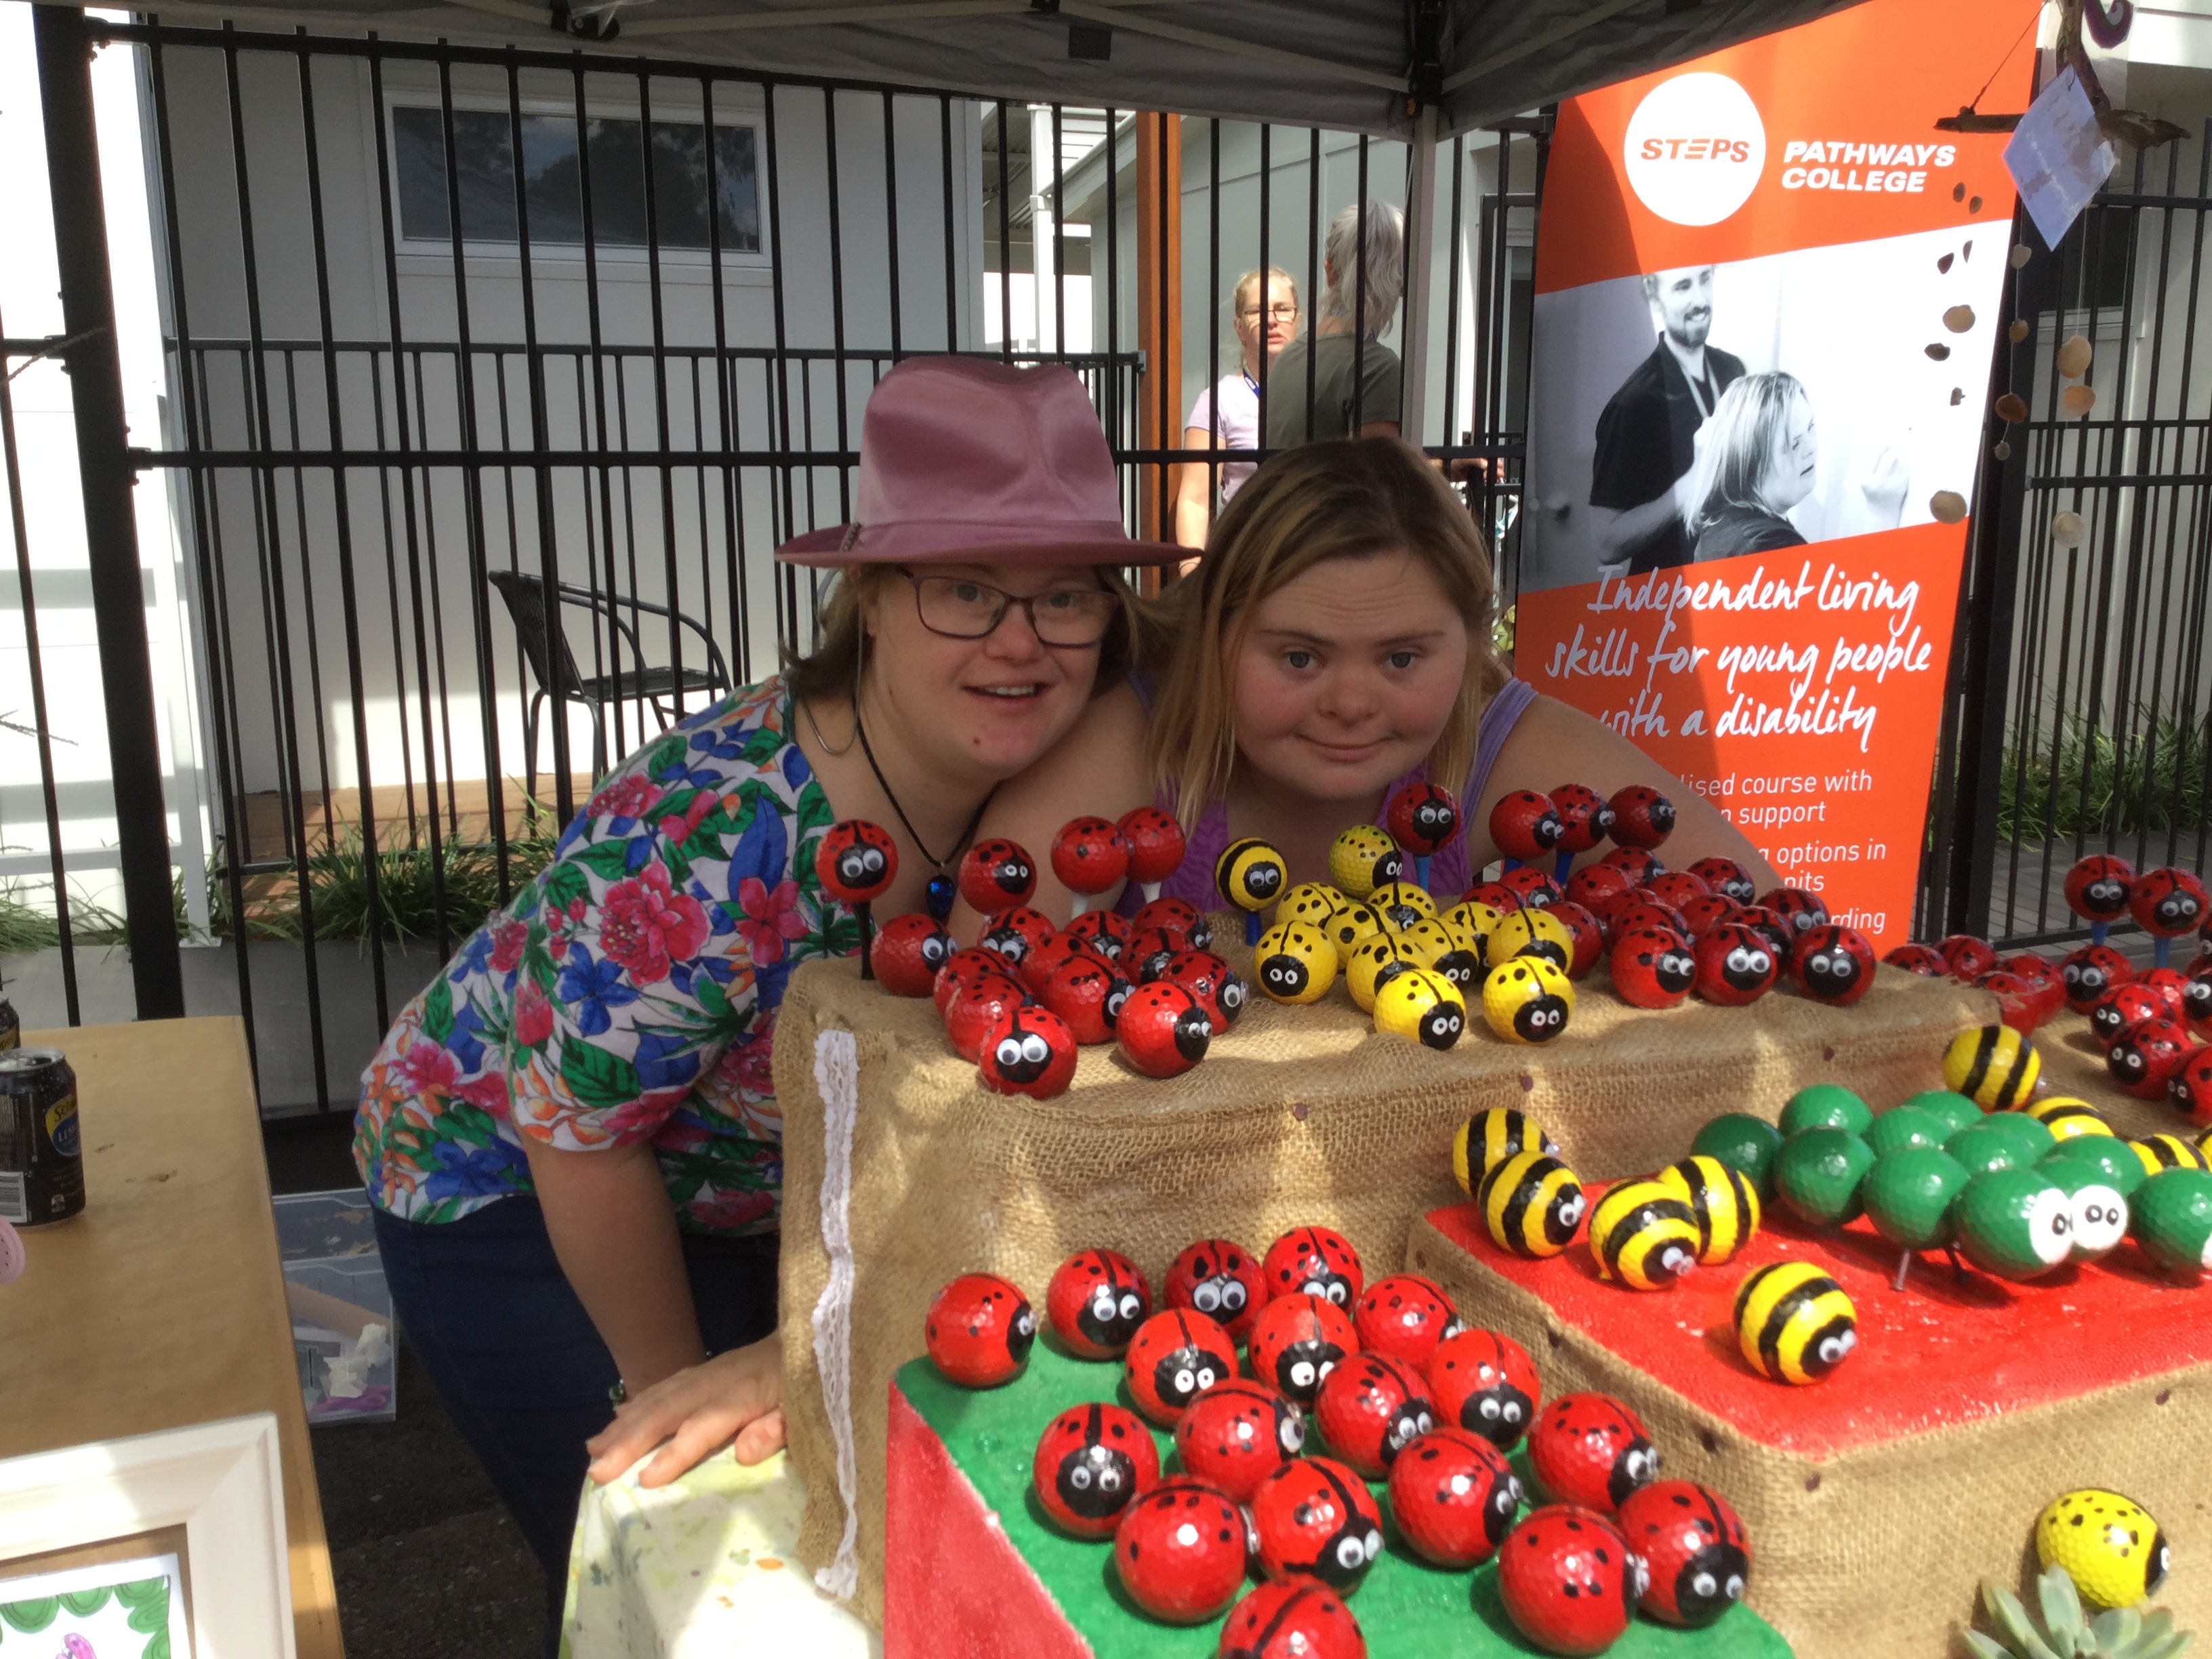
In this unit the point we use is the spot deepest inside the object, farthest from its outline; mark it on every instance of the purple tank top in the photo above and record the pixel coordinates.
(1193, 879)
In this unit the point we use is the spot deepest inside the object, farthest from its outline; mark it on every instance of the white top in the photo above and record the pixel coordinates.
(1239, 402)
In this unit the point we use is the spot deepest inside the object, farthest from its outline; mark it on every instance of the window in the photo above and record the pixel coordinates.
(550, 171)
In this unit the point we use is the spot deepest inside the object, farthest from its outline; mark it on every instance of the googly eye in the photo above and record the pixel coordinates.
(1303, 1376)
(1131, 1305)
(1186, 1381)
(1207, 1298)
(1351, 1554)
(1079, 1477)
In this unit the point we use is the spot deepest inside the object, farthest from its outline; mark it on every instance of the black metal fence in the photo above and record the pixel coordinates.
(496, 376)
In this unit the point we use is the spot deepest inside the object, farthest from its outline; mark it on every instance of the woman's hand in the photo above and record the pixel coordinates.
(1885, 485)
(695, 1414)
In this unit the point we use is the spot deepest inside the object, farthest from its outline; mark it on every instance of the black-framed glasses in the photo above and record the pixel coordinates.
(962, 609)
(1282, 311)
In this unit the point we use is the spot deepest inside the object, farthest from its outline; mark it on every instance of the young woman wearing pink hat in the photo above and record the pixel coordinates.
(571, 1137)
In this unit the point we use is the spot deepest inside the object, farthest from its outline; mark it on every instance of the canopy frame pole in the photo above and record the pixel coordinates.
(1159, 316)
(1420, 239)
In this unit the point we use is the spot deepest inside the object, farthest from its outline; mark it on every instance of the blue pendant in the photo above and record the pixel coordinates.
(943, 890)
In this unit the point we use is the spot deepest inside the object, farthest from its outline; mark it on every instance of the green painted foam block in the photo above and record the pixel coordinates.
(1407, 1608)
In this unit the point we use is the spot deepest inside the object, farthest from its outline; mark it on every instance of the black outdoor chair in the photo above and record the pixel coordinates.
(635, 681)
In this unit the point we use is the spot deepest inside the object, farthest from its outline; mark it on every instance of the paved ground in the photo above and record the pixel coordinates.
(428, 1565)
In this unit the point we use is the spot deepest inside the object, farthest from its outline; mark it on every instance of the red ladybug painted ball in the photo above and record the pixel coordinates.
(1568, 1579)
(1404, 1316)
(2119, 1011)
(1780, 935)
(1598, 887)
(908, 952)
(1218, 988)
(1653, 967)
(977, 1008)
(996, 875)
(1589, 936)
(1727, 878)
(1524, 825)
(1642, 817)
(1036, 968)
(1093, 1462)
(961, 970)
(1483, 1383)
(1155, 842)
(1585, 816)
(1832, 964)
(1096, 1301)
(2167, 903)
(1925, 960)
(1161, 1030)
(1088, 995)
(855, 861)
(1421, 818)
(1299, 1620)
(1676, 888)
(1237, 1433)
(1736, 965)
(1221, 1279)
(1800, 911)
(2096, 887)
(1454, 1496)
(1696, 1555)
(1029, 1051)
(1089, 856)
(1174, 1358)
(1179, 1551)
(1314, 1518)
(1589, 1448)
(1701, 916)
(1370, 1409)
(2090, 972)
(1966, 955)
(1145, 956)
(1104, 931)
(2143, 1060)
(1296, 1341)
(1640, 864)
(1641, 912)
(1177, 915)
(2197, 1003)
(2190, 1088)
(1018, 932)
(2020, 1004)
(979, 1331)
(2170, 989)
(1314, 1261)
(1532, 887)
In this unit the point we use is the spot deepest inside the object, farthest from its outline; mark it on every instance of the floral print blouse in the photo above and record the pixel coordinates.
(629, 993)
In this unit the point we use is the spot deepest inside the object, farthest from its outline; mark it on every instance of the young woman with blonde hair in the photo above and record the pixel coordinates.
(1227, 413)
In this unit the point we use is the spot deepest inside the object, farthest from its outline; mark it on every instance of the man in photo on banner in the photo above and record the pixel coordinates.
(1647, 433)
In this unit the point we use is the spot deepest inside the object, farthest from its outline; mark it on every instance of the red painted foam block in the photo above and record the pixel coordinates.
(955, 1587)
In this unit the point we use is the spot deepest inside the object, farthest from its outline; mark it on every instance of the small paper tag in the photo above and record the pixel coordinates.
(2058, 157)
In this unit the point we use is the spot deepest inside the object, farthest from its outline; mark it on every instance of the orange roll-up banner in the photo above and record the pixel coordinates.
(1767, 290)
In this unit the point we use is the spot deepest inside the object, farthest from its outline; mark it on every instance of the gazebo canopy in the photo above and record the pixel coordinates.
(1359, 66)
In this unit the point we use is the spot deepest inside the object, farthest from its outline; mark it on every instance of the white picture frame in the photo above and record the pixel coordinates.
(221, 1482)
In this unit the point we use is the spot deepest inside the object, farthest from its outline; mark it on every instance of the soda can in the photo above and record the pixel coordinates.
(41, 1146)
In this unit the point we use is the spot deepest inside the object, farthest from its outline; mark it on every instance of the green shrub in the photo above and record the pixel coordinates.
(2071, 779)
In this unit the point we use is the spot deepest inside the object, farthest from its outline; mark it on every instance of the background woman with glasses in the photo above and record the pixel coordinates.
(571, 1138)
(1231, 406)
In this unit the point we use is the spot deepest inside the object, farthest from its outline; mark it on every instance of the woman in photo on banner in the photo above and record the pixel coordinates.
(1756, 458)
(571, 1138)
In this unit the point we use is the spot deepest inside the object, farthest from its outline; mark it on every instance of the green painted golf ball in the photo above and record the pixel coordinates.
(1817, 1174)
(1908, 1193)
(1904, 1127)
(2034, 1139)
(1953, 1108)
(2101, 1209)
(2122, 1170)
(1825, 1106)
(2016, 1224)
(1986, 1148)
(1746, 1145)
(2173, 1220)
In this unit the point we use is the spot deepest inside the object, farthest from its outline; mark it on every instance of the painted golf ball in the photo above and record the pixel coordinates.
(2168, 902)
(2067, 1117)
(1642, 818)
(1532, 1204)
(1794, 1323)
(1296, 1341)
(1489, 1138)
(1372, 1408)
(1315, 1519)
(1590, 1449)
(1534, 932)
(1091, 1463)
(1237, 1433)
(996, 875)
(1527, 1000)
(1314, 1261)
(1908, 1196)
(2111, 1549)
(1180, 1551)
(1724, 1204)
(1653, 967)
(1585, 816)
(1422, 1006)
(1641, 1234)
(1996, 1067)
(1028, 1051)
(1403, 1316)
(1832, 964)
(2099, 1210)
(1744, 1143)
(1485, 1384)
(2015, 1224)
(1251, 874)
(2173, 1220)
(1089, 856)
(1422, 816)
(1817, 1174)
(1155, 842)
(1736, 965)
(855, 861)
(1525, 825)
(1362, 859)
(1174, 1358)
(1825, 1106)
(1162, 1031)
(2096, 887)
(1454, 1496)
(1569, 1580)
(1221, 1279)
(1694, 1550)
(979, 1331)
(1299, 1621)
(908, 952)
(1294, 963)
(1096, 1301)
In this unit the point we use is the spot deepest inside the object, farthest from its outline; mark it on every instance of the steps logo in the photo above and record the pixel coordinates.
(1695, 148)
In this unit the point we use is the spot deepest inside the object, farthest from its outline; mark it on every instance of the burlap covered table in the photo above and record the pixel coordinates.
(900, 1172)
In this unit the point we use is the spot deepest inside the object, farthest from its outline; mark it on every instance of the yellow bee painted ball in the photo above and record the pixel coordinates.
(1426, 941)
(1532, 1204)
(2159, 1153)
(1488, 1138)
(1294, 962)
(1476, 919)
(1348, 927)
(1374, 959)
(1532, 933)
(1400, 903)
(2111, 1549)
(1422, 1006)
(1527, 1000)
(1249, 873)
(1642, 1235)
(1996, 1067)
(1362, 859)
(2067, 1117)
(1723, 1203)
(1793, 1322)
(1310, 901)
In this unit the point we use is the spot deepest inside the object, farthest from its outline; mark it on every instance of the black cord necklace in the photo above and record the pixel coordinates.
(941, 887)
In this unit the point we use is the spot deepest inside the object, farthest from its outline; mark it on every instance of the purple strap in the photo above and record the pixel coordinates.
(1193, 879)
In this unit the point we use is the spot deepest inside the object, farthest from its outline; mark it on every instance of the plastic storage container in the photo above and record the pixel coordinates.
(341, 1310)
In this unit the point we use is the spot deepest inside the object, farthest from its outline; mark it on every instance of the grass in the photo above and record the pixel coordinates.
(2072, 779)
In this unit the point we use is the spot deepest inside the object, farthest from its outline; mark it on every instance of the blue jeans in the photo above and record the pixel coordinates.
(517, 1362)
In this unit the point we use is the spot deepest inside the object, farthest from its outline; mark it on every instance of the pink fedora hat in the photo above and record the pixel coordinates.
(962, 459)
